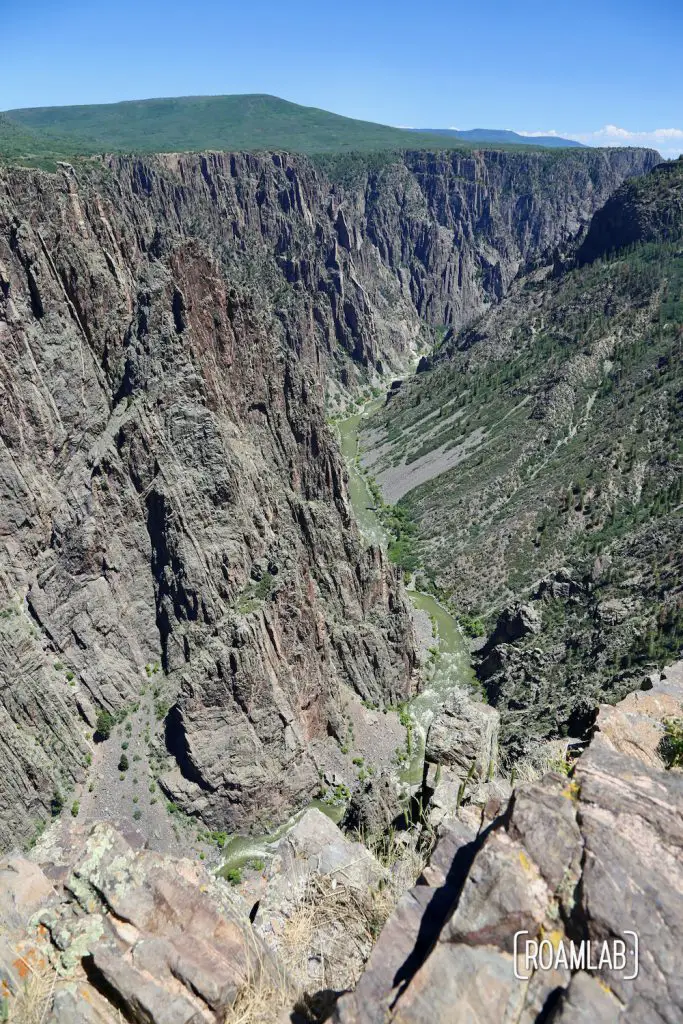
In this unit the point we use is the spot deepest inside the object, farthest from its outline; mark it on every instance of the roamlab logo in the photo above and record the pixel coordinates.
(615, 954)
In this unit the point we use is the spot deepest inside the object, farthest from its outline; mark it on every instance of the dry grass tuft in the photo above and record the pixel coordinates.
(327, 935)
(259, 1001)
(330, 933)
(403, 853)
(265, 994)
(33, 1002)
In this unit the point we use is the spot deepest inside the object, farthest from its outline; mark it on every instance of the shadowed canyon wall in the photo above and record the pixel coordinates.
(170, 492)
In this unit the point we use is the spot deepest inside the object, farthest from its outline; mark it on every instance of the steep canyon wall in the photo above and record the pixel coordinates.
(170, 493)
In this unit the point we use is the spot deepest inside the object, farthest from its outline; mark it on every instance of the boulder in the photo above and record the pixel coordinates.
(514, 623)
(464, 736)
(374, 807)
(24, 890)
(504, 892)
(586, 1001)
(462, 983)
(453, 849)
(322, 904)
(317, 846)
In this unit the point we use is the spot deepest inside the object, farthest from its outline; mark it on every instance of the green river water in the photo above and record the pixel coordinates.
(359, 492)
(450, 668)
(239, 850)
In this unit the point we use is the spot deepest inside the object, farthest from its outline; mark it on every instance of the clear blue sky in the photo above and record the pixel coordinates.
(571, 66)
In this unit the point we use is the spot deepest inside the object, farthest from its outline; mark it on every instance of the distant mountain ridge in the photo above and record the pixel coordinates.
(502, 135)
(223, 123)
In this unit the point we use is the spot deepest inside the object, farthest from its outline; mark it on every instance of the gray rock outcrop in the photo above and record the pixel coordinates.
(590, 858)
(464, 736)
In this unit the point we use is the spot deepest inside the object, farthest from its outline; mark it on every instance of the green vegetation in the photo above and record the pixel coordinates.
(219, 838)
(105, 724)
(123, 763)
(472, 627)
(402, 530)
(255, 593)
(161, 709)
(335, 795)
(403, 709)
(195, 123)
(264, 587)
(564, 409)
(233, 875)
(672, 743)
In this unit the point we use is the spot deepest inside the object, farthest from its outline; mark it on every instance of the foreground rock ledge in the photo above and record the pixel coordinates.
(585, 858)
(582, 858)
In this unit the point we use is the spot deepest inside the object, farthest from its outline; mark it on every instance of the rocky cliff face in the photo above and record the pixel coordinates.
(171, 495)
(456, 228)
(545, 445)
(645, 211)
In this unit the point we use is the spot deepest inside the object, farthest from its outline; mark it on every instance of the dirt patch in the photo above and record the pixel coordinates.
(395, 481)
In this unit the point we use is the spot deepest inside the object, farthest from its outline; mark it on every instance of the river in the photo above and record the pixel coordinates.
(451, 667)
(239, 850)
(348, 431)
(448, 668)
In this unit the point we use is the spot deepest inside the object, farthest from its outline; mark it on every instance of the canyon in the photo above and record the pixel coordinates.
(172, 495)
(200, 644)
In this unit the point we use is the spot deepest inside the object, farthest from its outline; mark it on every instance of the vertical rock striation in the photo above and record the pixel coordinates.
(170, 491)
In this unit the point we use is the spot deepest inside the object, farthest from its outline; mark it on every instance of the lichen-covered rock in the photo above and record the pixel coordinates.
(588, 858)
(160, 939)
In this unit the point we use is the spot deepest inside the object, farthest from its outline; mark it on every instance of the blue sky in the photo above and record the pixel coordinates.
(569, 66)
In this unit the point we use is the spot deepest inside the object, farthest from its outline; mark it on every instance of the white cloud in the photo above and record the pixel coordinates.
(669, 141)
(537, 135)
(612, 132)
